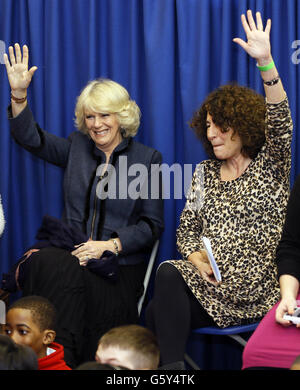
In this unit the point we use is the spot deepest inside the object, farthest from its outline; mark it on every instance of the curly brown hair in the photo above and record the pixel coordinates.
(236, 107)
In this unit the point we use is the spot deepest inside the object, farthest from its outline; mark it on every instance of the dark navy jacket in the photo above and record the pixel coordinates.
(137, 220)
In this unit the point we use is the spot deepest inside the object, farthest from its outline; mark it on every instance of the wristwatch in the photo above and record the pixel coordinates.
(272, 82)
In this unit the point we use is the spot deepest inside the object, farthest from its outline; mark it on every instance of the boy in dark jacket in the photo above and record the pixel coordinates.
(31, 321)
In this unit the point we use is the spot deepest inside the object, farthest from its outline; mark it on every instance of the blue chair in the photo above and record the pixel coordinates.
(234, 332)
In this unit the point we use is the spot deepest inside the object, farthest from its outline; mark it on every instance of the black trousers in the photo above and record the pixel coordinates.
(87, 305)
(173, 312)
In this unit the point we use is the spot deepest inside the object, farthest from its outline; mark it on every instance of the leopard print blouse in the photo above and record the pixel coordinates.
(243, 219)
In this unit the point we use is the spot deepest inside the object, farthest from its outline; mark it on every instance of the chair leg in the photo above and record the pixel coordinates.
(4, 296)
(239, 339)
(191, 362)
(4, 302)
(235, 337)
(2, 316)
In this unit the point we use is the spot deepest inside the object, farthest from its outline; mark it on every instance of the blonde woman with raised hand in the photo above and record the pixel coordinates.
(97, 205)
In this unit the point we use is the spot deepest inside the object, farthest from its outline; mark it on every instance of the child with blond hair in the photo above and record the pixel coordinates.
(130, 346)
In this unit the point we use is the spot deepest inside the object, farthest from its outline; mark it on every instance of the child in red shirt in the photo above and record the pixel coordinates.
(31, 321)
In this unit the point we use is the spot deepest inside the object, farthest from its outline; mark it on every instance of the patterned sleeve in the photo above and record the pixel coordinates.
(190, 227)
(279, 133)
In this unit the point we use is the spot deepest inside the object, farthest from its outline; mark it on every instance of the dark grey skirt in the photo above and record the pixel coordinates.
(87, 305)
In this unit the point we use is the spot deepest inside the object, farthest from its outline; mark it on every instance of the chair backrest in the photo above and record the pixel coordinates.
(148, 274)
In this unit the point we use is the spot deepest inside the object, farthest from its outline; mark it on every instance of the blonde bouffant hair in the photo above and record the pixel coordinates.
(108, 97)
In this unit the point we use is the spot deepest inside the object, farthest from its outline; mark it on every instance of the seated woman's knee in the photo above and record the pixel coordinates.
(167, 274)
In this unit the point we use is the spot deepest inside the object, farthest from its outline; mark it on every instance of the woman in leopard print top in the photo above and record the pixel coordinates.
(237, 200)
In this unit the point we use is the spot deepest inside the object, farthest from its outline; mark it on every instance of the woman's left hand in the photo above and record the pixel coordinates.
(91, 250)
(258, 40)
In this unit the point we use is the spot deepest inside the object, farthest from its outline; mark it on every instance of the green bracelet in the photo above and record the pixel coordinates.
(266, 67)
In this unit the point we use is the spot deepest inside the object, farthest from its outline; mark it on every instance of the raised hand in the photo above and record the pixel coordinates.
(19, 76)
(258, 40)
(258, 46)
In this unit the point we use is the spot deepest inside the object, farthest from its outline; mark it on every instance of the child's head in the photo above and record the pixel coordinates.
(16, 357)
(130, 346)
(31, 321)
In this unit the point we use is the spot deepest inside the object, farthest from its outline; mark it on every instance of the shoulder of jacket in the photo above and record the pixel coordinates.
(142, 149)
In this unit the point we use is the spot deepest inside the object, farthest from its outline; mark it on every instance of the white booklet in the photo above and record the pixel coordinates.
(211, 259)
